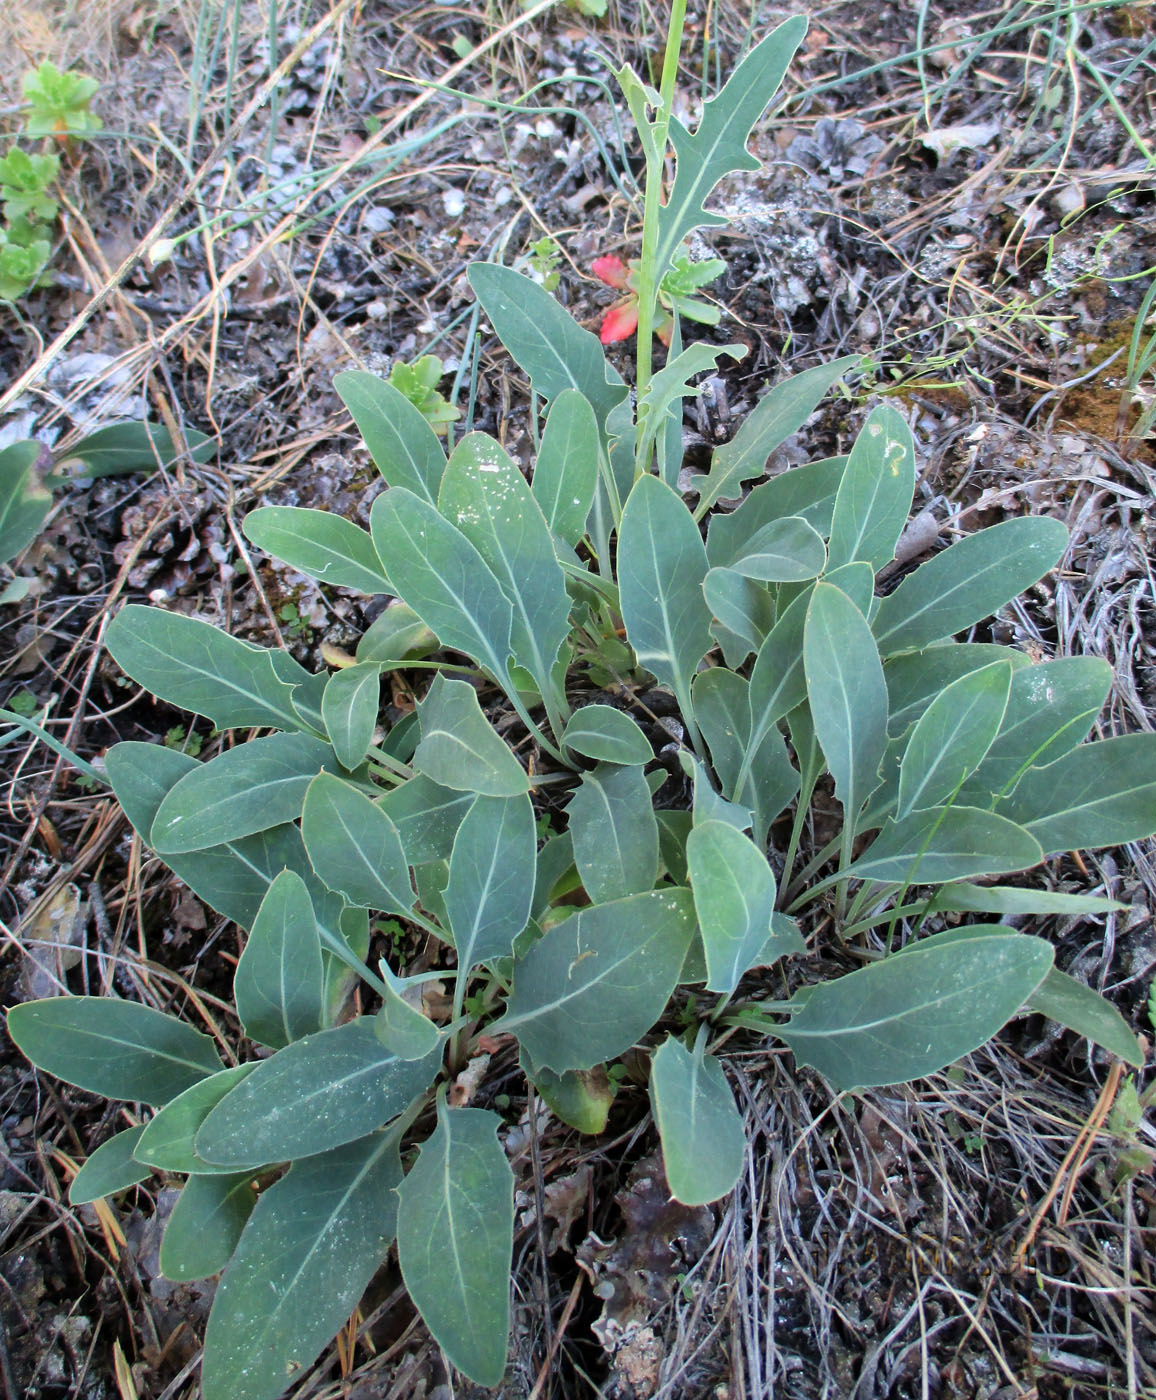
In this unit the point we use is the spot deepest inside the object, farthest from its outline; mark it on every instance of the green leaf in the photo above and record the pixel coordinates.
(136, 447)
(847, 694)
(491, 884)
(1080, 1009)
(397, 632)
(545, 340)
(581, 1098)
(279, 985)
(325, 546)
(1011, 900)
(593, 985)
(317, 1093)
(718, 146)
(311, 1246)
(773, 419)
(1050, 710)
(1100, 794)
(566, 469)
(911, 1015)
(671, 384)
(349, 708)
(246, 789)
(167, 1141)
(744, 608)
(118, 1049)
(206, 1225)
(952, 736)
(404, 1030)
(455, 1240)
(968, 581)
(614, 832)
(355, 847)
(404, 448)
(915, 678)
(198, 667)
(785, 551)
(707, 803)
(427, 817)
(734, 898)
(460, 748)
(703, 1140)
(661, 567)
(24, 502)
(875, 494)
(946, 843)
(807, 490)
(443, 578)
(111, 1168)
(608, 735)
(485, 495)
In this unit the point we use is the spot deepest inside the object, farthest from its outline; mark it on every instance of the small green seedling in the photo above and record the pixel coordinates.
(418, 382)
(58, 103)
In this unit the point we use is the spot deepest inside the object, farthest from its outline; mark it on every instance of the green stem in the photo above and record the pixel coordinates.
(31, 727)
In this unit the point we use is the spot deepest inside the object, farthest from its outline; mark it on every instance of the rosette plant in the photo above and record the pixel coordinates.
(553, 617)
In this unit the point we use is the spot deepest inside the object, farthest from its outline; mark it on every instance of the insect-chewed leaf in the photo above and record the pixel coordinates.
(311, 1246)
(1100, 794)
(614, 832)
(455, 1239)
(404, 448)
(703, 1142)
(734, 898)
(594, 984)
(915, 678)
(581, 1098)
(427, 817)
(279, 985)
(545, 340)
(946, 843)
(349, 707)
(200, 668)
(952, 736)
(205, 1225)
(167, 1141)
(244, 790)
(661, 567)
(773, 419)
(1050, 709)
(601, 732)
(491, 880)
(24, 501)
(968, 582)
(355, 847)
(910, 1015)
(1086, 1012)
(460, 748)
(317, 1093)
(807, 491)
(443, 578)
(785, 551)
(119, 1049)
(110, 1169)
(485, 495)
(875, 494)
(846, 692)
(325, 546)
(566, 469)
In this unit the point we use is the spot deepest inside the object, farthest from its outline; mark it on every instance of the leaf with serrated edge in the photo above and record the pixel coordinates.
(491, 881)
(317, 1093)
(1062, 998)
(349, 707)
(118, 1049)
(111, 1168)
(566, 468)
(455, 1240)
(908, 1016)
(460, 748)
(311, 1246)
(703, 1141)
(404, 448)
(325, 546)
(608, 735)
(205, 1225)
(279, 985)
(614, 832)
(734, 897)
(875, 494)
(594, 984)
(355, 847)
(244, 790)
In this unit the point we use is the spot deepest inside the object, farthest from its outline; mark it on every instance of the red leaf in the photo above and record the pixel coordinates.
(620, 322)
(610, 270)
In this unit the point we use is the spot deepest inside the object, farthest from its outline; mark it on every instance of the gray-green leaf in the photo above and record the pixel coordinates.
(875, 494)
(566, 469)
(608, 735)
(785, 551)
(404, 448)
(325, 546)
(614, 832)
(1080, 1009)
(167, 1141)
(349, 708)
(734, 898)
(491, 882)
(279, 985)
(946, 843)
(354, 846)
(703, 1141)
(111, 1168)
(459, 747)
(206, 1224)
